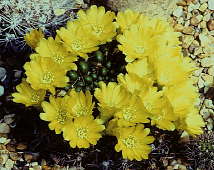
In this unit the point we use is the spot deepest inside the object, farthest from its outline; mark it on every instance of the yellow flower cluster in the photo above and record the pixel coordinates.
(72, 115)
(156, 89)
(158, 72)
(157, 86)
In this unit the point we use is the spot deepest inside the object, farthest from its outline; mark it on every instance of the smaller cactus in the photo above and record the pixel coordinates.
(200, 151)
(18, 17)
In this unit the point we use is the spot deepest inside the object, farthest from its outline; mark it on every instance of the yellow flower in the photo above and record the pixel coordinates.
(57, 112)
(57, 52)
(165, 34)
(140, 67)
(160, 109)
(27, 95)
(192, 122)
(81, 104)
(170, 70)
(109, 97)
(133, 142)
(98, 24)
(134, 83)
(112, 126)
(137, 43)
(83, 131)
(131, 112)
(181, 96)
(76, 40)
(43, 73)
(33, 37)
(127, 18)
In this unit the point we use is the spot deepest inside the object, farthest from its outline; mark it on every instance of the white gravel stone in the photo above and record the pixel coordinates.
(208, 103)
(207, 17)
(191, 7)
(208, 79)
(203, 7)
(210, 124)
(198, 72)
(211, 71)
(9, 118)
(211, 4)
(202, 1)
(178, 12)
(205, 113)
(4, 128)
(200, 83)
(207, 61)
(1, 90)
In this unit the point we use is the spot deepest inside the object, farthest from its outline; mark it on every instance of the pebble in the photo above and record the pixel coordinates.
(194, 21)
(1, 90)
(200, 83)
(178, 27)
(205, 113)
(197, 72)
(4, 141)
(21, 146)
(192, 6)
(178, 12)
(207, 62)
(28, 157)
(203, 7)
(4, 128)
(210, 25)
(202, 1)
(2, 73)
(9, 164)
(211, 4)
(199, 18)
(3, 158)
(189, 30)
(211, 71)
(198, 51)
(207, 17)
(208, 79)
(187, 40)
(9, 118)
(203, 24)
(182, 3)
(14, 156)
(208, 103)
(180, 20)
(18, 74)
(210, 124)
(11, 148)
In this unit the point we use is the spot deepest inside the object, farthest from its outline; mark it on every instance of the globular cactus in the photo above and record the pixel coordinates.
(18, 17)
(200, 151)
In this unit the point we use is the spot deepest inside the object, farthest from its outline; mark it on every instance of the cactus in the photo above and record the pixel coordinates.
(18, 17)
(200, 151)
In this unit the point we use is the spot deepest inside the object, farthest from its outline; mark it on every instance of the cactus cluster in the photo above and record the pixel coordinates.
(100, 66)
(200, 151)
(18, 17)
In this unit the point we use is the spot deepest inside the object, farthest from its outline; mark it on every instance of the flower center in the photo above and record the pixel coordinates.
(62, 116)
(82, 133)
(81, 111)
(58, 59)
(48, 78)
(97, 29)
(35, 98)
(128, 113)
(139, 49)
(76, 45)
(130, 142)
